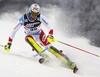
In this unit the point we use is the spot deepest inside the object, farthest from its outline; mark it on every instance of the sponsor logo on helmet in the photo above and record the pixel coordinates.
(35, 8)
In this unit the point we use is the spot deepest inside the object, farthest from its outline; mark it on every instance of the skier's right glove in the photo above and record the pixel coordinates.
(8, 46)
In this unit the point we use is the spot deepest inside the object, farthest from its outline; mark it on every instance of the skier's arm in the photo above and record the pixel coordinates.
(47, 24)
(17, 27)
(8, 45)
(14, 31)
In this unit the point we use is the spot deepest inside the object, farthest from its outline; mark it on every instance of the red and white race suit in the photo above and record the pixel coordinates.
(32, 28)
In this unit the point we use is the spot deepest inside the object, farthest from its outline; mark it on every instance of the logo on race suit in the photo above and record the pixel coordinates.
(45, 21)
(44, 38)
(31, 25)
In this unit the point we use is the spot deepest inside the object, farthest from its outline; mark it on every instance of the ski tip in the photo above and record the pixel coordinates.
(75, 69)
(41, 60)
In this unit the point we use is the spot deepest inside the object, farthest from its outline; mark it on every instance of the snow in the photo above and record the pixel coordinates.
(19, 62)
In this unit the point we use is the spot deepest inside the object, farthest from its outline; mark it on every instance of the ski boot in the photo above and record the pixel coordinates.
(73, 66)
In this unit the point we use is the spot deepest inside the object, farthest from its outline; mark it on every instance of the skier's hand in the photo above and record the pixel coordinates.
(7, 46)
(50, 38)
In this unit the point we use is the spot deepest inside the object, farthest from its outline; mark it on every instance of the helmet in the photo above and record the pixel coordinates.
(34, 8)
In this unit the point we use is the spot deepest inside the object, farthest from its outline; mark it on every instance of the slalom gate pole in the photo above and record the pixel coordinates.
(41, 52)
(78, 48)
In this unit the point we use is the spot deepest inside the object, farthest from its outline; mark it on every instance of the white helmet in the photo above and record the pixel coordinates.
(34, 8)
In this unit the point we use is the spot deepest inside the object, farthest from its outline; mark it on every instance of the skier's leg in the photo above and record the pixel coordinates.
(53, 50)
(30, 40)
(36, 47)
(42, 39)
(61, 56)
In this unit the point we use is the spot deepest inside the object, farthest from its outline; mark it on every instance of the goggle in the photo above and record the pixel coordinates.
(34, 13)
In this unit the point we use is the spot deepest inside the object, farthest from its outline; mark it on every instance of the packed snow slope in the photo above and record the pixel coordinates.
(19, 62)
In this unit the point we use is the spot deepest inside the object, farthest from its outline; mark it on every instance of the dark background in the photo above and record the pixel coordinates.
(77, 18)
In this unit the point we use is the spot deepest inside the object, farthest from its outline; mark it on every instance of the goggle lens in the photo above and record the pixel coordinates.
(34, 13)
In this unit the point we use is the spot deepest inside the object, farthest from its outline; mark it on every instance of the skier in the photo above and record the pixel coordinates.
(32, 22)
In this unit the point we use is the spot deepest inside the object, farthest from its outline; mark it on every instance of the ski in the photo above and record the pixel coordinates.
(41, 60)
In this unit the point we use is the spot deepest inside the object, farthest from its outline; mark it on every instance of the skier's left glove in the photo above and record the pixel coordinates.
(50, 38)
(7, 46)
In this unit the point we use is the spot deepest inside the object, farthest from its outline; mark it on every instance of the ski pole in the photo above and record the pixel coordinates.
(41, 52)
(36, 54)
(77, 48)
(1, 45)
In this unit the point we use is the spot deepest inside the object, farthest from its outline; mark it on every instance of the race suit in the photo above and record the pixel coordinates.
(32, 28)
(35, 33)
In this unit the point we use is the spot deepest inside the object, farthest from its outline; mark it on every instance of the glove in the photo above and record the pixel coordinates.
(8, 46)
(50, 38)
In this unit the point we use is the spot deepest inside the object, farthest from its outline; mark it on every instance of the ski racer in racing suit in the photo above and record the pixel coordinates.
(32, 22)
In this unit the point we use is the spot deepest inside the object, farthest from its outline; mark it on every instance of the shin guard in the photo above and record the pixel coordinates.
(34, 45)
(59, 54)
